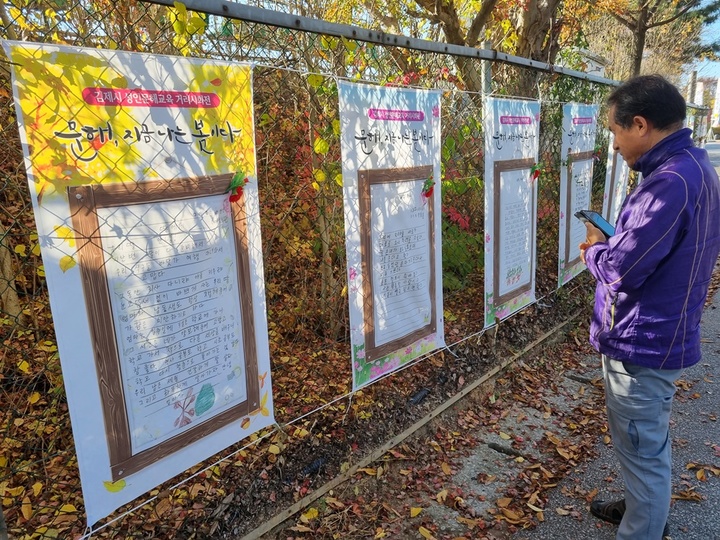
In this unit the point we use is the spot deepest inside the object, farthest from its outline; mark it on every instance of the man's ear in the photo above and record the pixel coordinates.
(641, 124)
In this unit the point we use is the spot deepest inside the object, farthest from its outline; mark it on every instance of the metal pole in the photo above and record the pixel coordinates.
(487, 71)
(242, 12)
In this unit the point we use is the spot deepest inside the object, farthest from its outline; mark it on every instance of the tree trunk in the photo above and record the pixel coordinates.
(537, 40)
(638, 49)
(9, 301)
(329, 292)
(639, 33)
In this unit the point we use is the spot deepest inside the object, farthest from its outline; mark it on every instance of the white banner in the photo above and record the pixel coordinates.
(577, 160)
(391, 190)
(511, 150)
(142, 176)
(617, 174)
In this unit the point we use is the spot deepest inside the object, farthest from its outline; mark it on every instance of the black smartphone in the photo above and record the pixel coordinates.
(597, 220)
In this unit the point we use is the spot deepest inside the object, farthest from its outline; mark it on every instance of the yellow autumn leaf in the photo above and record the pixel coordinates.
(504, 435)
(41, 270)
(379, 533)
(319, 175)
(440, 497)
(425, 533)
(68, 509)
(446, 468)
(26, 508)
(34, 398)
(415, 511)
(274, 449)
(321, 146)
(37, 488)
(339, 179)
(36, 250)
(14, 492)
(309, 515)
(20, 249)
(3, 463)
(315, 80)
(114, 487)
(24, 366)
(66, 263)
(701, 475)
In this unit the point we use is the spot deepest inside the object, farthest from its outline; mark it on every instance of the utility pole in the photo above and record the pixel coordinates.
(691, 87)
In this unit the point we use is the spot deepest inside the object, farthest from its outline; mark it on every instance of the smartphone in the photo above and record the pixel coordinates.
(597, 220)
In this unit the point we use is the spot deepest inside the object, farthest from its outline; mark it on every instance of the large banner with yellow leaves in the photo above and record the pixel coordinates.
(142, 175)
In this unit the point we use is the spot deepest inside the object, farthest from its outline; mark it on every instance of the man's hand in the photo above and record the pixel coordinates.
(594, 235)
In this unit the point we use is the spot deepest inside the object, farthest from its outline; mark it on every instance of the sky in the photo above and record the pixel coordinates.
(704, 68)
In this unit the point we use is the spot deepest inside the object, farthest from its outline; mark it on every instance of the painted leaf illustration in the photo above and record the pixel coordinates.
(205, 399)
(114, 487)
(65, 233)
(262, 408)
(66, 263)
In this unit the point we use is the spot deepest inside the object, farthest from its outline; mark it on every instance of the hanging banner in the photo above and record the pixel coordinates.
(577, 158)
(142, 175)
(616, 183)
(391, 190)
(511, 171)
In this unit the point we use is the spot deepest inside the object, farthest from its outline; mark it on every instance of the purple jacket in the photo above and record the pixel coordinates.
(653, 274)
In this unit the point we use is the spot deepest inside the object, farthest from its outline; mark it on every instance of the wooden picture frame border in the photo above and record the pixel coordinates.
(366, 179)
(84, 202)
(500, 167)
(572, 159)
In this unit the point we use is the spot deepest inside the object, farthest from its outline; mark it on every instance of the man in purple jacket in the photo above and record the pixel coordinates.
(652, 280)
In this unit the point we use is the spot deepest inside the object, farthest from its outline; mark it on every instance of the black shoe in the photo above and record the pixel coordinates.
(613, 512)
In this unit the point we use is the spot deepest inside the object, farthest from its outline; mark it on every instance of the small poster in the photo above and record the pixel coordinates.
(391, 170)
(511, 150)
(578, 158)
(616, 183)
(142, 176)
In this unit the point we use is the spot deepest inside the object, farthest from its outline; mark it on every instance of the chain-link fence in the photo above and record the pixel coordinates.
(325, 426)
